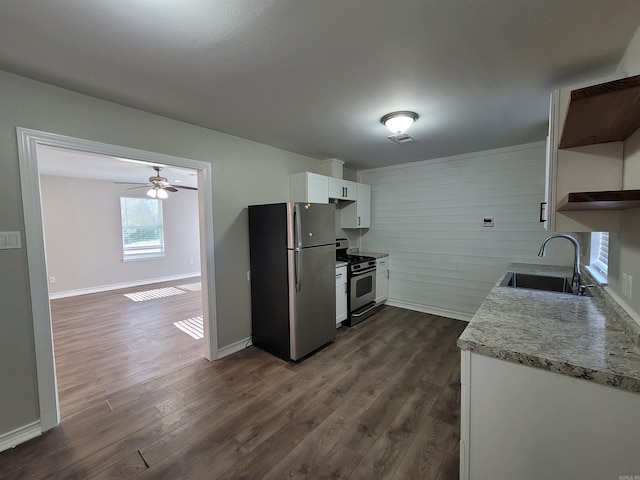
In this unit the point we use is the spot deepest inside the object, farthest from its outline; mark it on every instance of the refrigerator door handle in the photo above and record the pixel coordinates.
(298, 250)
(296, 214)
(297, 258)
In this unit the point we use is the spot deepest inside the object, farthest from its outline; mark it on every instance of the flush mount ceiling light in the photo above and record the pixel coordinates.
(399, 122)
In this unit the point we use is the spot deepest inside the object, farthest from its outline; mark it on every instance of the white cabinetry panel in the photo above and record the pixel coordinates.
(341, 295)
(543, 425)
(309, 187)
(382, 280)
(358, 213)
(342, 189)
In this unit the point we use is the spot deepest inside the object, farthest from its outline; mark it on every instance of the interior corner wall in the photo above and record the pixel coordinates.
(243, 173)
(83, 236)
(624, 247)
(429, 216)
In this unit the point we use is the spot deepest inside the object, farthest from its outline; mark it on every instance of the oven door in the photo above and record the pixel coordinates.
(363, 289)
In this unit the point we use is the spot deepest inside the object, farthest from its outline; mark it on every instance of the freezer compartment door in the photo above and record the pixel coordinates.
(314, 224)
(312, 320)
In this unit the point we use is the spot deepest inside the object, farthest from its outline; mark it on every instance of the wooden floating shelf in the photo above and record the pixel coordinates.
(611, 200)
(608, 112)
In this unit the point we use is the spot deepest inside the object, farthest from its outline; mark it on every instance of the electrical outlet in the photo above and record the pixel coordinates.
(629, 286)
(624, 284)
(52, 279)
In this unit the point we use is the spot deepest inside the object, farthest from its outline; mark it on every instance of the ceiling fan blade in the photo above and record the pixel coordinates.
(185, 188)
(170, 189)
(129, 183)
(141, 186)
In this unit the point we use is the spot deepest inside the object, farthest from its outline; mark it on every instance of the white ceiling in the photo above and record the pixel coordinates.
(315, 76)
(72, 163)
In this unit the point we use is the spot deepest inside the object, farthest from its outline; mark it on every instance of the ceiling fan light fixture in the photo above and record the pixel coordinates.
(162, 193)
(399, 122)
(152, 193)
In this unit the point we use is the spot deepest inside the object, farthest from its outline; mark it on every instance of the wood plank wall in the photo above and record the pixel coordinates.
(428, 216)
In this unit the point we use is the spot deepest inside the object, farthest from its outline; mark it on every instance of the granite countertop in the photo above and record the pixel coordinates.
(341, 264)
(582, 337)
(374, 254)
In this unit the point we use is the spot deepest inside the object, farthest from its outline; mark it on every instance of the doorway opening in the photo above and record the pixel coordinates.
(30, 142)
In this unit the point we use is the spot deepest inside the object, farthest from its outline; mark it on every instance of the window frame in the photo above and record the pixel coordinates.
(598, 268)
(142, 252)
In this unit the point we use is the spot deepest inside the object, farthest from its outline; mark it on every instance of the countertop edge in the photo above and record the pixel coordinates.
(627, 378)
(562, 368)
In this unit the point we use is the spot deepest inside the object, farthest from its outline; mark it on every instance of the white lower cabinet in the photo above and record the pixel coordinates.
(528, 423)
(341, 295)
(382, 280)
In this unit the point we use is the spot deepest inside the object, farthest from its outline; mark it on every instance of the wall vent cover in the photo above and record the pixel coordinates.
(402, 138)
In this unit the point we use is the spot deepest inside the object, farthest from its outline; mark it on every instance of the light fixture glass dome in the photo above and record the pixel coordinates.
(151, 193)
(162, 193)
(399, 122)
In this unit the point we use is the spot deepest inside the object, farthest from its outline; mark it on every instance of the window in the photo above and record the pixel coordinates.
(599, 258)
(142, 228)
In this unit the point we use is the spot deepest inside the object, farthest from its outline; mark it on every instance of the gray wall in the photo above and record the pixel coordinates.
(83, 235)
(244, 173)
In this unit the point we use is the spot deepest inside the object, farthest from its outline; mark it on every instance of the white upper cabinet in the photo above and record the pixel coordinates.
(358, 213)
(342, 189)
(355, 210)
(309, 187)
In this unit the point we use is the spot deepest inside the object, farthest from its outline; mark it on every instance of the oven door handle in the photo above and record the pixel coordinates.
(363, 272)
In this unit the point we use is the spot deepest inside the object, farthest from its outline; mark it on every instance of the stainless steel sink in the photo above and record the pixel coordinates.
(539, 282)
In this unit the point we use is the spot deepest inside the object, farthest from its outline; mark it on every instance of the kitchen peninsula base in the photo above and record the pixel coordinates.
(526, 423)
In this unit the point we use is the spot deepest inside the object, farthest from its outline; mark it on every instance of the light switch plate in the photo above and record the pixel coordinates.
(629, 286)
(10, 240)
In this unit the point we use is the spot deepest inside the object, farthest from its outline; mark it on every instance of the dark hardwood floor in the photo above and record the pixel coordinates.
(383, 401)
(106, 343)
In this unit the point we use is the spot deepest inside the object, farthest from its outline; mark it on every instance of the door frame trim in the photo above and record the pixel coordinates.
(28, 140)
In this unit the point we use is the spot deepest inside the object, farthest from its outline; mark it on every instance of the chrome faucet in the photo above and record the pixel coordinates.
(575, 281)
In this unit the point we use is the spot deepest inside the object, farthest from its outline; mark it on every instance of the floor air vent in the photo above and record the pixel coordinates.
(402, 138)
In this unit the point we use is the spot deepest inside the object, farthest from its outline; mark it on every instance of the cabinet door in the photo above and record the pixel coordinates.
(382, 280)
(364, 206)
(342, 189)
(309, 187)
(358, 214)
(336, 189)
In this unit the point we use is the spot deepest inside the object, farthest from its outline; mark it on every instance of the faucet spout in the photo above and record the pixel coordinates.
(575, 281)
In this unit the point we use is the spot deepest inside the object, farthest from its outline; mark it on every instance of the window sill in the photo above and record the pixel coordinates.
(135, 258)
(597, 275)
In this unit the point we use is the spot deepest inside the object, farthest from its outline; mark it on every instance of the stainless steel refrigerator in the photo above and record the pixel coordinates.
(293, 299)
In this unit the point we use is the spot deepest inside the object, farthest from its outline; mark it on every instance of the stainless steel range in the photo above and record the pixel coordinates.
(361, 283)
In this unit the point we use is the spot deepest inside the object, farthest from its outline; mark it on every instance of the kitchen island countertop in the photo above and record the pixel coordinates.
(582, 337)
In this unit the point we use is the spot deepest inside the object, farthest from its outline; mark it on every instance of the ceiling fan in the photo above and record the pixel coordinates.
(159, 186)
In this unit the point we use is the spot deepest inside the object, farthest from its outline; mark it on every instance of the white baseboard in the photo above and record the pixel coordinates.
(117, 286)
(234, 347)
(466, 317)
(19, 435)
